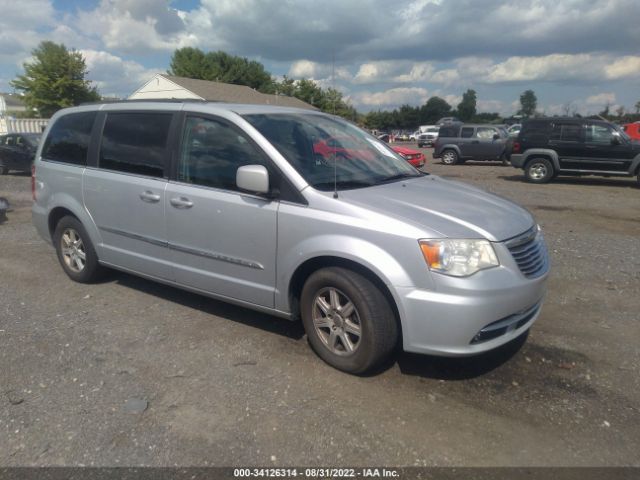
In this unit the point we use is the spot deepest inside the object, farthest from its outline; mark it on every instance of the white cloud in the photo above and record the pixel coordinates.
(392, 97)
(627, 66)
(420, 72)
(113, 75)
(581, 68)
(601, 99)
(376, 72)
(136, 25)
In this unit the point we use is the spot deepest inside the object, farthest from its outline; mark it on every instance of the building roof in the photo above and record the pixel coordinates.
(230, 93)
(12, 100)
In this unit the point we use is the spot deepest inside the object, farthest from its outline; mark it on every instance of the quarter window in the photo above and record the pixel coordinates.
(467, 132)
(212, 152)
(135, 143)
(68, 139)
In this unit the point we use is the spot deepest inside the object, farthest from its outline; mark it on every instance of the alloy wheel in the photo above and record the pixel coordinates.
(538, 171)
(73, 252)
(336, 321)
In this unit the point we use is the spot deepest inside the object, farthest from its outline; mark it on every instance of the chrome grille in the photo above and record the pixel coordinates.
(530, 253)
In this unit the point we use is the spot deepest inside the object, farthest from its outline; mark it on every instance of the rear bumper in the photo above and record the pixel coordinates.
(39, 219)
(517, 160)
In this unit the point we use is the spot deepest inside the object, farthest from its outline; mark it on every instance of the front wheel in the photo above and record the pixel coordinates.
(449, 157)
(75, 251)
(539, 170)
(348, 320)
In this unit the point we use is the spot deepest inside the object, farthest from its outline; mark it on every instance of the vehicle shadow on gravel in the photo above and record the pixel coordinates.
(628, 182)
(251, 318)
(462, 368)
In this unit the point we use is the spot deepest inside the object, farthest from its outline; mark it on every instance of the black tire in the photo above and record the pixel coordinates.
(91, 270)
(4, 170)
(372, 313)
(539, 170)
(450, 157)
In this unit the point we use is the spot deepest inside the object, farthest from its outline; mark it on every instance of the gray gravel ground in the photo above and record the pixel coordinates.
(129, 372)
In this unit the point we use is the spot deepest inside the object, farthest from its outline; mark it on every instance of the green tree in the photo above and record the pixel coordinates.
(221, 67)
(528, 103)
(190, 63)
(434, 110)
(55, 79)
(467, 107)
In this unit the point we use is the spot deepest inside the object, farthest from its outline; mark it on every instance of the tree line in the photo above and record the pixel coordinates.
(56, 78)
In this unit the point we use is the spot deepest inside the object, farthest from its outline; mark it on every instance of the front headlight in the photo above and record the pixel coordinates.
(458, 258)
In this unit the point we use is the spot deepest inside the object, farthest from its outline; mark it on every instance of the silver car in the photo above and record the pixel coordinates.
(294, 213)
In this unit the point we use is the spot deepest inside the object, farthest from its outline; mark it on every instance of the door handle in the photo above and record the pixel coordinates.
(149, 196)
(181, 202)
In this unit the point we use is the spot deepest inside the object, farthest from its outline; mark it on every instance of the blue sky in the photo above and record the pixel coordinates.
(577, 55)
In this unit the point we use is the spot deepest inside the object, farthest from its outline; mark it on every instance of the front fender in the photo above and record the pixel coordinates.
(357, 250)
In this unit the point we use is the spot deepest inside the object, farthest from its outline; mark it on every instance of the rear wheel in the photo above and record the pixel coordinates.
(449, 157)
(539, 170)
(348, 320)
(75, 251)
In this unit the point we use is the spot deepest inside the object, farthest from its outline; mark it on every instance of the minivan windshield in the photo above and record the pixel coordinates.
(325, 150)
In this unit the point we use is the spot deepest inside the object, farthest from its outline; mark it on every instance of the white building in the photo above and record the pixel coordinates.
(164, 86)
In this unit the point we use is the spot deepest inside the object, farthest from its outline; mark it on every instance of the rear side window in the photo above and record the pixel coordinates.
(68, 139)
(448, 132)
(135, 143)
(566, 132)
(466, 132)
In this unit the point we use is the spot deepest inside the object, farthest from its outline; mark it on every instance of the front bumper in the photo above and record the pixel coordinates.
(467, 316)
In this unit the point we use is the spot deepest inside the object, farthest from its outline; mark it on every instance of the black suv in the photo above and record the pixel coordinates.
(548, 147)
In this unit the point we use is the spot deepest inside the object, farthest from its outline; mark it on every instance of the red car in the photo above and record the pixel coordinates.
(345, 148)
(414, 157)
(633, 130)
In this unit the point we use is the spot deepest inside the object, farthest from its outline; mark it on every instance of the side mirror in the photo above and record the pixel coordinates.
(615, 140)
(496, 136)
(253, 178)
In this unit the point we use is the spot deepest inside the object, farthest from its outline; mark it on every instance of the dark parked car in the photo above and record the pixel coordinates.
(548, 147)
(459, 142)
(17, 151)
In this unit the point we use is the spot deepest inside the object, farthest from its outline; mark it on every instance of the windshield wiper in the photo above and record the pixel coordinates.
(399, 176)
(342, 184)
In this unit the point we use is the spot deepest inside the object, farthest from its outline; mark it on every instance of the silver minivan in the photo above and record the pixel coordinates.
(291, 212)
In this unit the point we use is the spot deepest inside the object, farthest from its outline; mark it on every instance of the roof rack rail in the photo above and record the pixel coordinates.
(149, 100)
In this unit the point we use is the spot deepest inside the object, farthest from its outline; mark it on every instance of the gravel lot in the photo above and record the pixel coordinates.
(129, 372)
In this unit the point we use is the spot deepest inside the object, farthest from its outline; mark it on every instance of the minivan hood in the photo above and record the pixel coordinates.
(447, 208)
